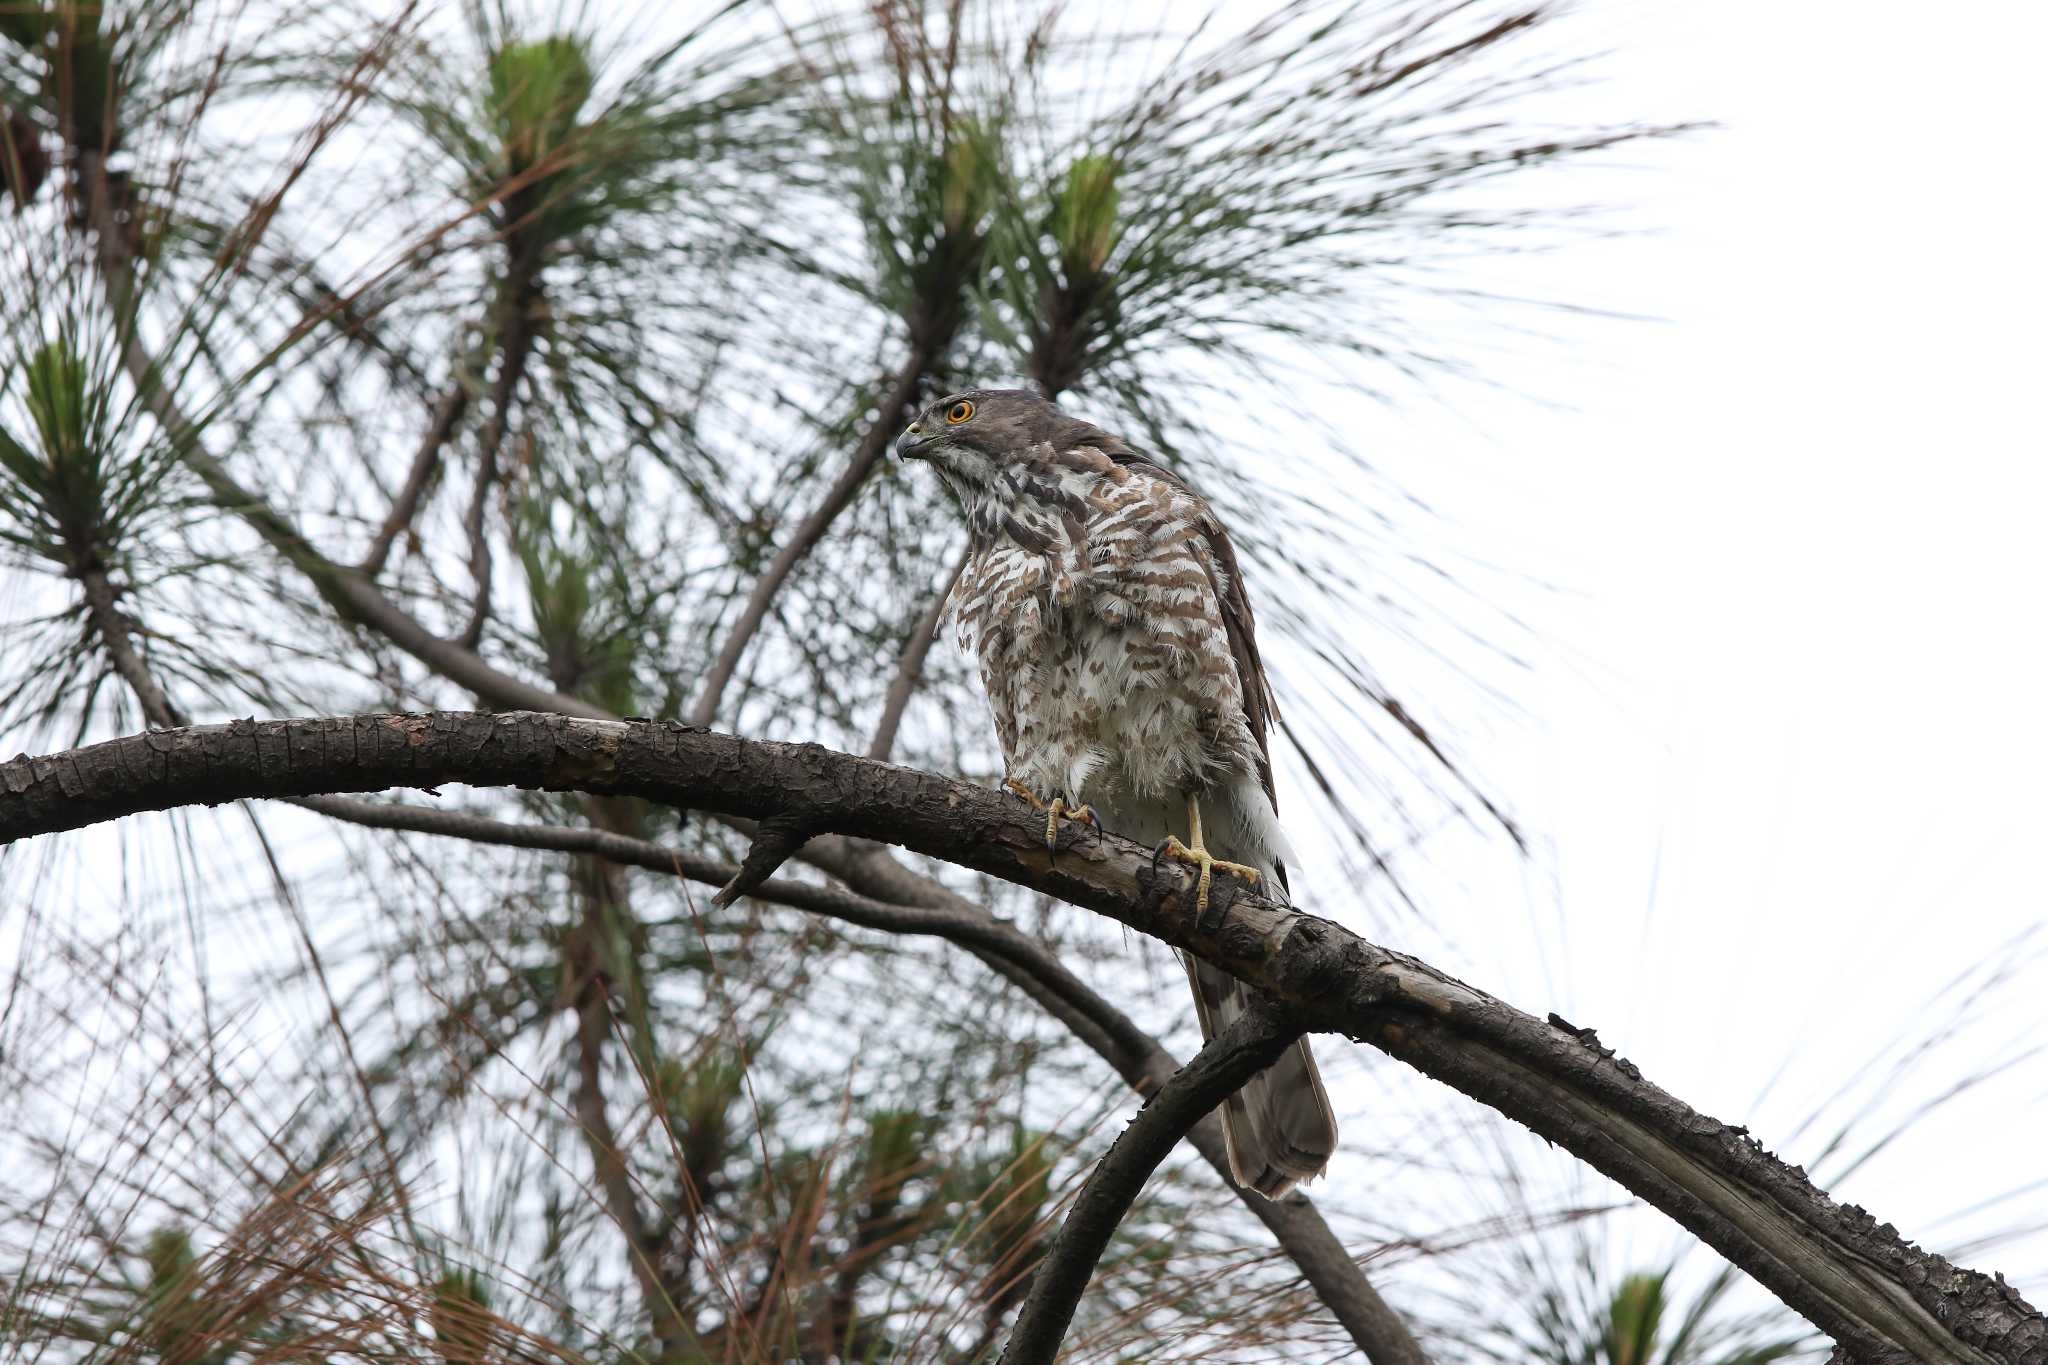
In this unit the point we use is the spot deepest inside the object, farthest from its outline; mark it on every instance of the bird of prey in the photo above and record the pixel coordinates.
(1103, 600)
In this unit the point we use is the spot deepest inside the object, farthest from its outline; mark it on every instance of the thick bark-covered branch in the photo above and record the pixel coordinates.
(1248, 1046)
(1854, 1278)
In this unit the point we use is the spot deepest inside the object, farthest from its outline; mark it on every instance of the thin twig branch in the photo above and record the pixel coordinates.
(1855, 1279)
(901, 393)
(345, 588)
(775, 842)
(1252, 1042)
(910, 668)
(119, 640)
(643, 1241)
(419, 477)
(1295, 1222)
(521, 296)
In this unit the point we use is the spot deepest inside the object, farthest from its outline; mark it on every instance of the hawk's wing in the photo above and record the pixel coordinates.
(1259, 707)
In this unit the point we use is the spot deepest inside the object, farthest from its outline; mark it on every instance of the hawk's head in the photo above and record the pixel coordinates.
(971, 438)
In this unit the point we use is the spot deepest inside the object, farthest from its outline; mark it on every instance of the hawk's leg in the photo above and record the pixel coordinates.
(1055, 810)
(1198, 856)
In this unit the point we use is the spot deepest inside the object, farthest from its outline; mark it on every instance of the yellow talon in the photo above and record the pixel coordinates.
(1055, 811)
(1198, 857)
(1053, 814)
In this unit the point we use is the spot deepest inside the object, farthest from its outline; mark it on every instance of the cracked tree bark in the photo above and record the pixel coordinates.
(1881, 1298)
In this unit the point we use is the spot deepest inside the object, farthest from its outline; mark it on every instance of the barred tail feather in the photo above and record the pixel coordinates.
(1279, 1130)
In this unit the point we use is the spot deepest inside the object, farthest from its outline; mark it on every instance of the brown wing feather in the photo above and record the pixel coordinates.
(1259, 707)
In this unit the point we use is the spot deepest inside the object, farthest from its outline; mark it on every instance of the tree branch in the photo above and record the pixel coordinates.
(522, 293)
(776, 839)
(910, 667)
(902, 392)
(348, 590)
(643, 1241)
(426, 463)
(1295, 1222)
(1855, 1279)
(113, 630)
(1252, 1042)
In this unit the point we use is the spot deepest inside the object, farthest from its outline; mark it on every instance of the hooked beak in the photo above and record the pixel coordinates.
(908, 444)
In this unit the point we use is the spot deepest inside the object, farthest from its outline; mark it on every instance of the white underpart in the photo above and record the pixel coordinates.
(1106, 659)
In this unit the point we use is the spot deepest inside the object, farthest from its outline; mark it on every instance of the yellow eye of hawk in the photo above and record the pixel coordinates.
(959, 412)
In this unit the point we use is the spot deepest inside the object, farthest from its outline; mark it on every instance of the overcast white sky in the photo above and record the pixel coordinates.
(1786, 736)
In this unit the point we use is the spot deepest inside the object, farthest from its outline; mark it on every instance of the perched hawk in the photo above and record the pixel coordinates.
(1103, 600)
